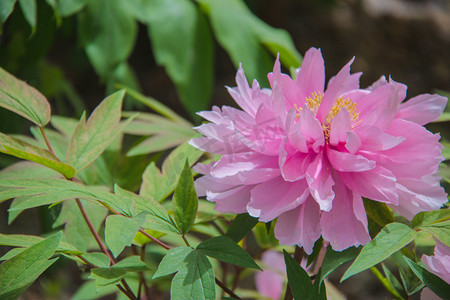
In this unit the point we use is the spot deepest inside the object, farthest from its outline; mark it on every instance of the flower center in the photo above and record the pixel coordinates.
(313, 103)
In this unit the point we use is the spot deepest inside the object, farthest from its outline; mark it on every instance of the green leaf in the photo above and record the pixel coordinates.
(378, 215)
(19, 97)
(131, 263)
(247, 39)
(441, 233)
(175, 22)
(159, 142)
(120, 231)
(225, 249)
(97, 258)
(23, 269)
(172, 261)
(6, 8)
(157, 213)
(69, 7)
(398, 290)
(64, 125)
(76, 231)
(11, 253)
(430, 217)
(241, 225)
(29, 12)
(184, 201)
(27, 170)
(410, 282)
(21, 240)
(436, 284)
(108, 34)
(391, 238)
(298, 280)
(158, 185)
(91, 138)
(107, 276)
(445, 117)
(90, 291)
(333, 259)
(194, 281)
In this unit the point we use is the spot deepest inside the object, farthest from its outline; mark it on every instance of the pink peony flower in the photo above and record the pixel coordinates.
(307, 155)
(439, 264)
(270, 281)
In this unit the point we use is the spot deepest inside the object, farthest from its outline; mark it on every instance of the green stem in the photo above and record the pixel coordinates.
(385, 283)
(47, 142)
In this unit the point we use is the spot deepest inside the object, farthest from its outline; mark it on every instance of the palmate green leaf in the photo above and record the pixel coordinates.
(396, 287)
(391, 238)
(19, 97)
(241, 225)
(97, 258)
(21, 149)
(120, 231)
(298, 280)
(157, 215)
(247, 39)
(76, 231)
(174, 22)
(158, 185)
(225, 249)
(108, 34)
(410, 281)
(185, 201)
(173, 261)
(106, 276)
(195, 280)
(436, 284)
(20, 271)
(91, 138)
(131, 264)
(21, 240)
(26, 187)
(29, 11)
(6, 8)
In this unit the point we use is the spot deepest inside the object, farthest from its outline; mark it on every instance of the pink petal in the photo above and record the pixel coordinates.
(353, 142)
(233, 201)
(341, 83)
(381, 81)
(274, 197)
(311, 129)
(439, 264)
(320, 182)
(269, 282)
(245, 168)
(422, 109)
(294, 134)
(419, 195)
(374, 139)
(242, 94)
(293, 164)
(288, 86)
(311, 77)
(300, 226)
(379, 107)
(376, 184)
(345, 225)
(340, 125)
(418, 155)
(347, 162)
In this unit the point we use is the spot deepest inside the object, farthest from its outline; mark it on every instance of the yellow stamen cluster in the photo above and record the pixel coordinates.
(313, 103)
